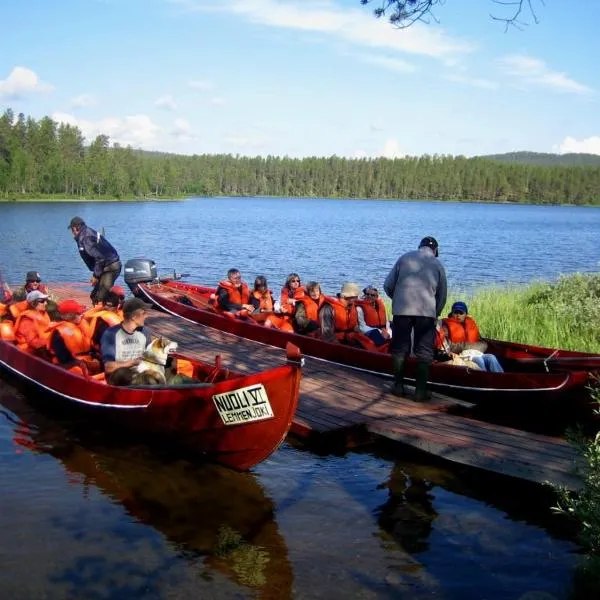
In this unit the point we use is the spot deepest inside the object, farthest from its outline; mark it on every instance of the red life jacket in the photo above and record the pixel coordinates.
(462, 332)
(265, 298)
(75, 337)
(7, 331)
(18, 308)
(41, 321)
(312, 306)
(375, 316)
(237, 295)
(299, 293)
(346, 317)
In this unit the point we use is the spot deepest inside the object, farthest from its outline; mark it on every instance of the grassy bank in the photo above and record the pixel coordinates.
(57, 198)
(565, 314)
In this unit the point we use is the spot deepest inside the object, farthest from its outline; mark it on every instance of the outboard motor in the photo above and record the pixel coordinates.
(139, 270)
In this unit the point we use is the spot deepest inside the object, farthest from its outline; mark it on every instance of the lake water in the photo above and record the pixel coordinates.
(86, 515)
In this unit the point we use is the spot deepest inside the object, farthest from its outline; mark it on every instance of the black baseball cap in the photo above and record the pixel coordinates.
(429, 242)
(32, 276)
(133, 304)
(76, 222)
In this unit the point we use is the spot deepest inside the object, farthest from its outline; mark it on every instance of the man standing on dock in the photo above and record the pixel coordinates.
(417, 286)
(99, 256)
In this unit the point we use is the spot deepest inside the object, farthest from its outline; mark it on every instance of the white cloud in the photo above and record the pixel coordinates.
(387, 62)
(166, 102)
(391, 149)
(355, 26)
(182, 130)
(138, 131)
(22, 81)
(217, 101)
(589, 145)
(200, 86)
(526, 69)
(83, 101)
(486, 84)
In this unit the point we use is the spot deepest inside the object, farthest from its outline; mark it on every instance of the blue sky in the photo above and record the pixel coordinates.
(306, 77)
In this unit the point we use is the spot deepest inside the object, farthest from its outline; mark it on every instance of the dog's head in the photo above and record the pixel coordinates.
(159, 349)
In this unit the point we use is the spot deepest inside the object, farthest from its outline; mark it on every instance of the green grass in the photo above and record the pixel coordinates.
(564, 314)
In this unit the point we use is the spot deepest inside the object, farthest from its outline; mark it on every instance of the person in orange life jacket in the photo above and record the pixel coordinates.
(291, 292)
(339, 318)
(69, 337)
(262, 301)
(33, 281)
(372, 317)
(462, 333)
(99, 256)
(417, 286)
(233, 295)
(5, 291)
(31, 325)
(101, 319)
(306, 312)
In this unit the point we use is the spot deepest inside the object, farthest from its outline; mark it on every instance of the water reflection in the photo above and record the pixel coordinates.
(216, 520)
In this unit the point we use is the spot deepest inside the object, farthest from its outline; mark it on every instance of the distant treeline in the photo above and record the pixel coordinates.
(43, 157)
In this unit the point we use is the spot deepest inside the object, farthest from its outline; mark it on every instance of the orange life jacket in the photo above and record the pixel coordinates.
(265, 298)
(74, 336)
(18, 308)
(3, 309)
(299, 293)
(237, 295)
(346, 317)
(375, 316)
(462, 332)
(312, 307)
(41, 321)
(7, 331)
(108, 316)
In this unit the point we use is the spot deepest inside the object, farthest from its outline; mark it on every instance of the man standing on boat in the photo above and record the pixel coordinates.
(417, 286)
(99, 256)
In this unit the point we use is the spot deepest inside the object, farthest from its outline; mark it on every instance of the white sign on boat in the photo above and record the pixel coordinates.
(243, 405)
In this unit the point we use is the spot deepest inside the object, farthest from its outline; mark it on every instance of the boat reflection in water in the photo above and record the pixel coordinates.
(209, 513)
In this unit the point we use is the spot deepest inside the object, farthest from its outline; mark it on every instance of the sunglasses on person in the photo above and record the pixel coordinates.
(294, 281)
(459, 312)
(42, 301)
(371, 294)
(35, 281)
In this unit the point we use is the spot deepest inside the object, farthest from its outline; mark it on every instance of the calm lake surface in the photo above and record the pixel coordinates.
(86, 515)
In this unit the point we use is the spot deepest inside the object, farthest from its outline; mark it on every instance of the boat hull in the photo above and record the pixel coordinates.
(238, 432)
(480, 387)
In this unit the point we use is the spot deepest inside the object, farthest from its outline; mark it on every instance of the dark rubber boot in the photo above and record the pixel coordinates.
(421, 375)
(397, 387)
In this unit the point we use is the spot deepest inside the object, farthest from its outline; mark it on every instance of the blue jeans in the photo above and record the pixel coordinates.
(488, 362)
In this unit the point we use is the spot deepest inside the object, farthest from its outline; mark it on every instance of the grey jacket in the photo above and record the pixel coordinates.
(417, 284)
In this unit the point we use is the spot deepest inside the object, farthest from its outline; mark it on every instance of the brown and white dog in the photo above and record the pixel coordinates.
(152, 368)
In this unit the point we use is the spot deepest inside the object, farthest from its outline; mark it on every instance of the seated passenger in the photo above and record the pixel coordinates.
(5, 291)
(233, 295)
(372, 316)
(32, 324)
(339, 318)
(33, 282)
(103, 316)
(291, 292)
(262, 301)
(307, 306)
(462, 334)
(124, 344)
(69, 338)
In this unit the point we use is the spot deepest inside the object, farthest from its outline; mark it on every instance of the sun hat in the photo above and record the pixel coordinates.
(460, 306)
(35, 295)
(349, 290)
(70, 306)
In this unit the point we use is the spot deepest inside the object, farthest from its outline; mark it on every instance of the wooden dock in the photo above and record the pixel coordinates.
(353, 407)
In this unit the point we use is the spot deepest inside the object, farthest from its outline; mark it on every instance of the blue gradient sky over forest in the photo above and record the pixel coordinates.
(306, 77)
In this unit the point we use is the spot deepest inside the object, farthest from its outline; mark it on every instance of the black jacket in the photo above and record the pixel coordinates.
(95, 250)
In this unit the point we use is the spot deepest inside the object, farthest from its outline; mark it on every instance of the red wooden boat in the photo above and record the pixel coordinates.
(236, 420)
(525, 379)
